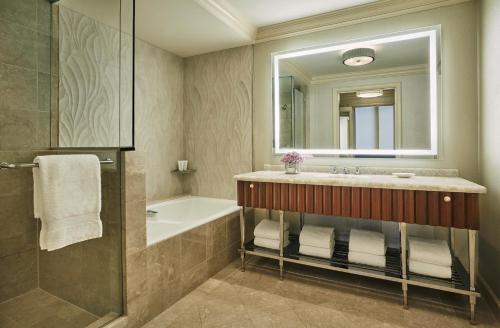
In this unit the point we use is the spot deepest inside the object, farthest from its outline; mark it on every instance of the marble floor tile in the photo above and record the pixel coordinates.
(257, 298)
(39, 309)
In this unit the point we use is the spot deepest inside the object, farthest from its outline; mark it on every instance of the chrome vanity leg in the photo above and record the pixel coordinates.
(404, 285)
(472, 274)
(452, 240)
(282, 213)
(301, 221)
(242, 237)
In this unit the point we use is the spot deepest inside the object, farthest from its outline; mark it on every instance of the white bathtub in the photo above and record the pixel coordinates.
(182, 214)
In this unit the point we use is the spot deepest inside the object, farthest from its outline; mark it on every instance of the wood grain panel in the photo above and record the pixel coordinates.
(366, 203)
(241, 193)
(327, 200)
(409, 206)
(284, 202)
(337, 201)
(386, 204)
(376, 204)
(309, 199)
(247, 194)
(433, 208)
(292, 197)
(276, 196)
(472, 211)
(262, 195)
(397, 205)
(318, 199)
(346, 201)
(458, 210)
(421, 207)
(301, 198)
(356, 202)
(444, 210)
(269, 195)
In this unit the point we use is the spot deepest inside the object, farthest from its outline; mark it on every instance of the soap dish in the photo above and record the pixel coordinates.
(404, 175)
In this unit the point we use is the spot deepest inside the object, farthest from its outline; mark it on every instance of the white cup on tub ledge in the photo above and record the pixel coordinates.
(182, 165)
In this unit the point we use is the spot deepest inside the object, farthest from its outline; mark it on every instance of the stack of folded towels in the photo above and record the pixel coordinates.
(267, 234)
(367, 247)
(317, 241)
(430, 257)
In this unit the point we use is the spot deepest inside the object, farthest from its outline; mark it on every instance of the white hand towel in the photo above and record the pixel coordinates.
(270, 243)
(269, 229)
(322, 237)
(316, 251)
(368, 259)
(427, 269)
(364, 241)
(432, 251)
(67, 199)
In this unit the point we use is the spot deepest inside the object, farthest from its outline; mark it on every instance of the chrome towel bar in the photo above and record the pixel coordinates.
(5, 165)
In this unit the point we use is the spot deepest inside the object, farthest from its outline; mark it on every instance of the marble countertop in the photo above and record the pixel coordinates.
(426, 183)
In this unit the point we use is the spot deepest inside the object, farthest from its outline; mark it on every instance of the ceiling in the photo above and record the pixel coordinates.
(191, 27)
(388, 55)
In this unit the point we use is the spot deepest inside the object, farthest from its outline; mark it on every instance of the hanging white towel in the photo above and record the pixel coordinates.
(364, 241)
(67, 199)
(427, 269)
(316, 251)
(322, 237)
(269, 229)
(368, 259)
(432, 251)
(271, 243)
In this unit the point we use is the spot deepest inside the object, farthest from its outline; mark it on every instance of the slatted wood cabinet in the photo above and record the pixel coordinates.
(447, 209)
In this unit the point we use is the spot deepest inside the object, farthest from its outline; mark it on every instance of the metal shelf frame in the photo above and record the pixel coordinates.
(462, 283)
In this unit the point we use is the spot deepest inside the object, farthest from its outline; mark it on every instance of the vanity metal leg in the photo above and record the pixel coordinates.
(472, 274)
(282, 237)
(404, 285)
(242, 237)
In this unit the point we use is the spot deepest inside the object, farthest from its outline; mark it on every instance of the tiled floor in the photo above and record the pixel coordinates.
(39, 309)
(257, 298)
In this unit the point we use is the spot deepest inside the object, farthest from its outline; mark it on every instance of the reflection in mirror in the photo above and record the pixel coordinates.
(375, 97)
(93, 52)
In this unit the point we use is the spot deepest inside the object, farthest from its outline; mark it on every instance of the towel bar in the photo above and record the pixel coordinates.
(5, 165)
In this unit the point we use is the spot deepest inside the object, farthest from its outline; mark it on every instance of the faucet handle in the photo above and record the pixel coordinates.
(346, 170)
(358, 172)
(333, 169)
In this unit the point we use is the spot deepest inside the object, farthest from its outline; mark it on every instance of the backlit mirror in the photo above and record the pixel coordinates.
(373, 97)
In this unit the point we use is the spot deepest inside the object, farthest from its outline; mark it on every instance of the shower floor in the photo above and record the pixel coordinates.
(37, 308)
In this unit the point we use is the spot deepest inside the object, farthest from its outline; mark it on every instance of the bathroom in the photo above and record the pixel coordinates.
(187, 109)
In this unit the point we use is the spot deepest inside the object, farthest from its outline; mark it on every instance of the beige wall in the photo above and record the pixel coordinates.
(458, 80)
(218, 119)
(489, 244)
(159, 118)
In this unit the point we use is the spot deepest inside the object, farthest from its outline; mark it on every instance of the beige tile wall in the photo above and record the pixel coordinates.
(24, 126)
(159, 118)
(159, 275)
(218, 119)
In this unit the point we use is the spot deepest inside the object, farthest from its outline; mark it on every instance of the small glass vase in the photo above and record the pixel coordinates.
(292, 168)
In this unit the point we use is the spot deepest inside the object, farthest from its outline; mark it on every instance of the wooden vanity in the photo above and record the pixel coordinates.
(450, 202)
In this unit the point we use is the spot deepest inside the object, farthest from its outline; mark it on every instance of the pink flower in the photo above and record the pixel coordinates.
(292, 157)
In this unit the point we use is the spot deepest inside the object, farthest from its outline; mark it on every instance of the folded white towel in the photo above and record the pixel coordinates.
(427, 269)
(432, 251)
(364, 241)
(316, 251)
(269, 229)
(368, 259)
(67, 199)
(322, 237)
(270, 243)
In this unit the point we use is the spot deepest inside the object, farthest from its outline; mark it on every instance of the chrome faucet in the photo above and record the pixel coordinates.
(358, 172)
(333, 169)
(346, 170)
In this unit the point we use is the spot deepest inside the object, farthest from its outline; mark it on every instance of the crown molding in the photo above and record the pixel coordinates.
(226, 13)
(387, 72)
(348, 16)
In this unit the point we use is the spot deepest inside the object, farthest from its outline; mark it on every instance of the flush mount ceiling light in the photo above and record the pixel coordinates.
(358, 57)
(369, 93)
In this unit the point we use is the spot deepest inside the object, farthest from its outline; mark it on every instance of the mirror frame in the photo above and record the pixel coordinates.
(432, 32)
